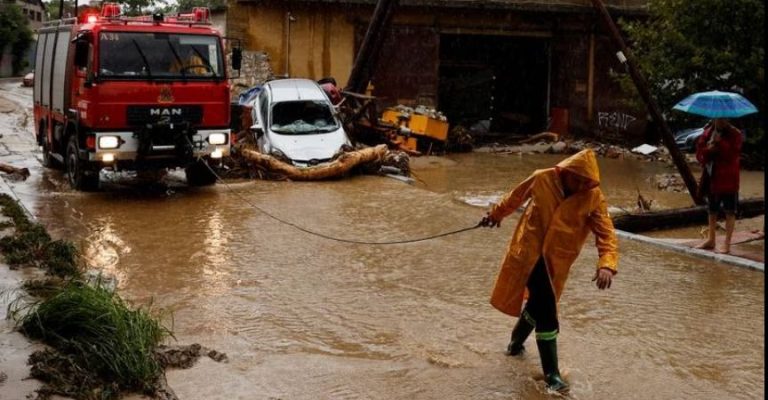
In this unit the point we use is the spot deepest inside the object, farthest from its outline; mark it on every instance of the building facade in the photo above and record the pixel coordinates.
(517, 66)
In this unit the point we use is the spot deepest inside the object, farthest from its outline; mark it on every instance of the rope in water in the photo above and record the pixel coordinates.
(328, 237)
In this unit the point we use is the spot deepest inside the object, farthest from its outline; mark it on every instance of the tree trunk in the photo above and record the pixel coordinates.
(335, 169)
(21, 173)
(681, 217)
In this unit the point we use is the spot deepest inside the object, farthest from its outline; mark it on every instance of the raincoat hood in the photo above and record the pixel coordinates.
(583, 163)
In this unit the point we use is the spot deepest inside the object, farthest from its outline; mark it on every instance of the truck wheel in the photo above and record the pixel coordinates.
(80, 178)
(48, 160)
(198, 174)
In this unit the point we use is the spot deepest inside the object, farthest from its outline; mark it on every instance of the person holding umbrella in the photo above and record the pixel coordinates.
(718, 150)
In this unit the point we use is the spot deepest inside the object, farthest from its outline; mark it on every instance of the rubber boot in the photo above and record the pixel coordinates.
(548, 353)
(521, 331)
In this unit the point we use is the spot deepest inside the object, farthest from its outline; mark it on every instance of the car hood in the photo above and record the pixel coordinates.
(303, 148)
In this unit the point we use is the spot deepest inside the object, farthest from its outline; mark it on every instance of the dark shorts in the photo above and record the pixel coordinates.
(727, 203)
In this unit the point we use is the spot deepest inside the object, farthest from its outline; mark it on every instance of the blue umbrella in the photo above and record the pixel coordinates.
(716, 104)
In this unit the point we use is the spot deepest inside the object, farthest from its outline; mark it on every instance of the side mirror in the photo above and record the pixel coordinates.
(81, 54)
(237, 58)
(257, 130)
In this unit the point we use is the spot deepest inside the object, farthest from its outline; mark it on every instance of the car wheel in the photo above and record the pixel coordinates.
(80, 176)
(199, 174)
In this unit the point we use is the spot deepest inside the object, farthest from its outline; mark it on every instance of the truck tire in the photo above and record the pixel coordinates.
(48, 160)
(80, 178)
(198, 174)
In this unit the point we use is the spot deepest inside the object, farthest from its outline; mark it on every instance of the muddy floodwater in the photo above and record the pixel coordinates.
(302, 317)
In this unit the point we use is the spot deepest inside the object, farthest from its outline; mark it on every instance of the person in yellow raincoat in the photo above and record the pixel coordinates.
(564, 204)
(193, 64)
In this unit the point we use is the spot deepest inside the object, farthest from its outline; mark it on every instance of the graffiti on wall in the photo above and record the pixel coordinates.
(614, 120)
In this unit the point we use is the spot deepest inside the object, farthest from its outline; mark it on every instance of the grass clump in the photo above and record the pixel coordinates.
(32, 245)
(102, 346)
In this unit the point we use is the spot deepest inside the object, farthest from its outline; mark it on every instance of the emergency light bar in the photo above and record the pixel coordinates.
(199, 15)
(111, 10)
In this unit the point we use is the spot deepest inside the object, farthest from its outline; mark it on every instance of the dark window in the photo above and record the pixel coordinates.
(302, 117)
(38, 16)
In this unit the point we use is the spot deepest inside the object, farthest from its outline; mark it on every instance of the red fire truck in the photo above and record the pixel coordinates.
(135, 93)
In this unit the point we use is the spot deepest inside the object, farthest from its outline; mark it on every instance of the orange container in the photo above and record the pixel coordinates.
(409, 143)
(425, 126)
(391, 115)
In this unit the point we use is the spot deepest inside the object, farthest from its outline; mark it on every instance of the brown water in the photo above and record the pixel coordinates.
(306, 318)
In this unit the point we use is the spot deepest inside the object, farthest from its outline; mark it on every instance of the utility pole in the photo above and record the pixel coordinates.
(368, 55)
(625, 56)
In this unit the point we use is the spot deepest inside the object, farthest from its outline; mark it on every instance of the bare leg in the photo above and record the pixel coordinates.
(730, 223)
(710, 242)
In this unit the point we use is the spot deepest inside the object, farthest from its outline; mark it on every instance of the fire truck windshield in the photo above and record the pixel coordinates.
(140, 55)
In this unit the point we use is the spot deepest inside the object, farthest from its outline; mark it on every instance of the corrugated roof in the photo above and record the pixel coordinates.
(535, 5)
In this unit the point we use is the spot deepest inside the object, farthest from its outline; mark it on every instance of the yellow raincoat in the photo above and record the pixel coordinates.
(193, 66)
(553, 226)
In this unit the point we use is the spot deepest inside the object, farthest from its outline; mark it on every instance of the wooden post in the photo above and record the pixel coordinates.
(365, 62)
(653, 108)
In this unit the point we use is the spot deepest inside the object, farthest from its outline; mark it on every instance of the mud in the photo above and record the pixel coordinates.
(185, 356)
(301, 317)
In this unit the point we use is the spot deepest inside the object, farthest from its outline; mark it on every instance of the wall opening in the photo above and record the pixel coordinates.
(499, 79)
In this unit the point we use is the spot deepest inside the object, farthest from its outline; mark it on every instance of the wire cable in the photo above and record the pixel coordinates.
(328, 237)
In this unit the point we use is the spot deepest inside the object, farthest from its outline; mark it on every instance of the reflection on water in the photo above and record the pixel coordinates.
(304, 318)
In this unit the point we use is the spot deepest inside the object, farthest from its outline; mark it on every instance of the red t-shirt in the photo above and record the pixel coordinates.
(724, 177)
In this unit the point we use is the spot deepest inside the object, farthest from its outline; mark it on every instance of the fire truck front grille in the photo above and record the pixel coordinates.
(143, 115)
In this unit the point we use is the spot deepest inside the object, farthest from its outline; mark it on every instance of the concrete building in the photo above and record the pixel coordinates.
(35, 13)
(522, 65)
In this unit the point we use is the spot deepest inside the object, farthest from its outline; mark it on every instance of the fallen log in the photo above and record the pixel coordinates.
(543, 137)
(17, 173)
(681, 217)
(334, 169)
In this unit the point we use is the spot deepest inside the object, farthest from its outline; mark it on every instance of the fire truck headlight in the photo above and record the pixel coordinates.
(109, 142)
(217, 138)
(216, 154)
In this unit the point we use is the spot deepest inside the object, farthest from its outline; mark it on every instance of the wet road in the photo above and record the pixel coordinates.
(303, 317)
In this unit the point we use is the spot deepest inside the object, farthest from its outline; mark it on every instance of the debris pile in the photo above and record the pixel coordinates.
(575, 146)
(669, 182)
(460, 140)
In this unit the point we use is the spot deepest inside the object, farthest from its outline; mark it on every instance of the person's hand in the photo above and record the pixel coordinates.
(489, 222)
(604, 277)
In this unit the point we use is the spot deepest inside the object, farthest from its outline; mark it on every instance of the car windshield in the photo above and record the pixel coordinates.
(302, 117)
(139, 55)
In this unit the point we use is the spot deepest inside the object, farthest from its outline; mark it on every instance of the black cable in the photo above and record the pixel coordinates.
(324, 236)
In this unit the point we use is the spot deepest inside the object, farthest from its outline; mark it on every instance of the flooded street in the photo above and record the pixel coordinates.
(303, 317)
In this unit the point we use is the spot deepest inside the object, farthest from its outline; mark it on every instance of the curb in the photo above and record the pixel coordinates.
(721, 258)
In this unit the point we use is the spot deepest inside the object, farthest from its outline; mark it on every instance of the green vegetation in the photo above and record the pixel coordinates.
(686, 47)
(100, 346)
(31, 245)
(14, 32)
(105, 346)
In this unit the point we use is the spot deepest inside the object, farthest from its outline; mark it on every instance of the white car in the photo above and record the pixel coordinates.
(295, 122)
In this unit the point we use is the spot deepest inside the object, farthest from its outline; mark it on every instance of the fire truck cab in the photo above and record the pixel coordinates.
(136, 93)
